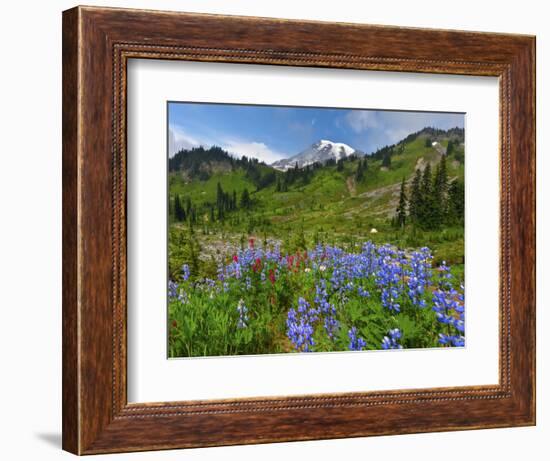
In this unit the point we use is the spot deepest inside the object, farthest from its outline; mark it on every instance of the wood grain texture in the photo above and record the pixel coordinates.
(97, 43)
(70, 384)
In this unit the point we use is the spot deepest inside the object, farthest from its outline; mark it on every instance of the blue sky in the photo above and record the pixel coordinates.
(274, 132)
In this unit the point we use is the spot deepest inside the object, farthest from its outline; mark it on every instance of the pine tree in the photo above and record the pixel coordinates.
(188, 206)
(401, 216)
(245, 199)
(455, 211)
(284, 185)
(401, 148)
(427, 180)
(415, 198)
(220, 201)
(340, 165)
(441, 178)
(440, 189)
(179, 212)
(386, 161)
(426, 214)
(359, 173)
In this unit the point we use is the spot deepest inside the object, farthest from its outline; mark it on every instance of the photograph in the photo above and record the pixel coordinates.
(272, 220)
(312, 229)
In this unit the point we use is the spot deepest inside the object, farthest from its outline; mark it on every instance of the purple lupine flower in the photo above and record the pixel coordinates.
(172, 289)
(449, 310)
(300, 327)
(326, 309)
(185, 272)
(243, 314)
(389, 277)
(419, 273)
(392, 340)
(356, 343)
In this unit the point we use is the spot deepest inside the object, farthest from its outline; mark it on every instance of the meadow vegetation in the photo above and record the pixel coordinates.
(363, 253)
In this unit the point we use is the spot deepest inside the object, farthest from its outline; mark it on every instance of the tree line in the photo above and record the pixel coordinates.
(432, 200)
(185, 210)
(303, 175)
(455, 135)
(199, 163)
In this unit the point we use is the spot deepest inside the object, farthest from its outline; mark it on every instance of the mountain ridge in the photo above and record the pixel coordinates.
(319, 152)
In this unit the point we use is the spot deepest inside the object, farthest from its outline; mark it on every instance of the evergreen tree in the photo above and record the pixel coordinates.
(440, 189)
(401, 216)
(401, 148)
(245, 199)
(428, 142)
(455, 211)
(441, 178)
(179, 212)
(284, 184)
(340, 166)
(426, 220)
(415, 198)
(359, 173)
(386, 160)
(427, 180)
(220, 201)
(188, 206)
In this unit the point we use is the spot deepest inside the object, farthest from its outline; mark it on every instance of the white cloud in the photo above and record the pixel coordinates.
(254, 149)
(178, 139)
(361, 120)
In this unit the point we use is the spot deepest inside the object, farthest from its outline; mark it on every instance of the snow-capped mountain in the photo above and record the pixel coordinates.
(321, 151)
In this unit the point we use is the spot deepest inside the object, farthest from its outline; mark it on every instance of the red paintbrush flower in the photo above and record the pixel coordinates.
(272, 276)
(235, 258)
(290, 261)
(257, 265)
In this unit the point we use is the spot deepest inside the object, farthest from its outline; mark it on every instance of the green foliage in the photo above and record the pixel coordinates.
(183, 248)
(386, 160)
(401, 217)
(248, 314)
(359, 174)
(246, 203)
(179, 211)
(322, 202)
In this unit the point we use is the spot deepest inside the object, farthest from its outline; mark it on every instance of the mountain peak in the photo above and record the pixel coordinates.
(321, 151)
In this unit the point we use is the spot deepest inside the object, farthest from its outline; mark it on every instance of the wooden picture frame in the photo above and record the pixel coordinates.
(97, 43)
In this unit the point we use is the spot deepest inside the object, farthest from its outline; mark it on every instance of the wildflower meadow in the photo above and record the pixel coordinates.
(323, 241)
(318, 300)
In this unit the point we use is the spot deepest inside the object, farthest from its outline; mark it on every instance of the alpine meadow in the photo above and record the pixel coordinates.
(298, 229)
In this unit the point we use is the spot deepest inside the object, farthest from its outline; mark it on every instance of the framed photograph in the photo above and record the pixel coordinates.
(281, 230)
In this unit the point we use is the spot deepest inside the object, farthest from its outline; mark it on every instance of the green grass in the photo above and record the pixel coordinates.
(331, 207)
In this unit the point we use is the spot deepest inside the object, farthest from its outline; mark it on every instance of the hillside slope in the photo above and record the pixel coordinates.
(321, 202)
